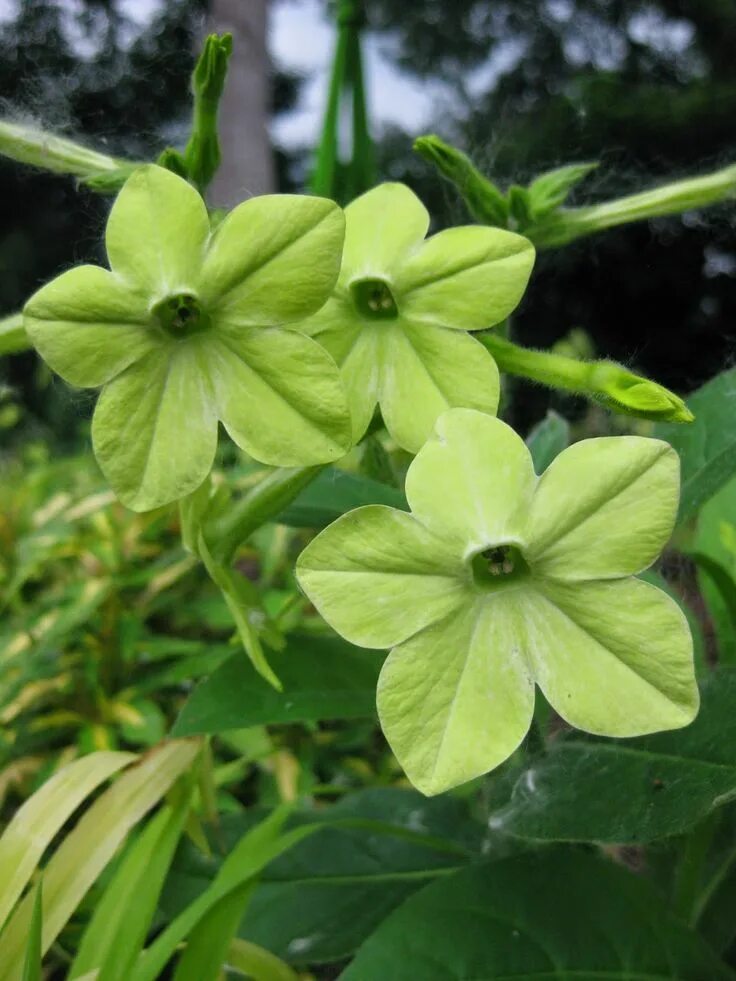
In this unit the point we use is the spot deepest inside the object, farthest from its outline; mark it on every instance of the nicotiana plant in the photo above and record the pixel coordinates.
(490, 567)
(492, 583)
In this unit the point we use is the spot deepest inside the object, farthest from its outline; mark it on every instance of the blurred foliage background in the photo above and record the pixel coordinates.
(648, 88)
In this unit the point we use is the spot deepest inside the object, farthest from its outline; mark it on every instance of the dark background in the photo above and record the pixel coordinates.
(649, 89)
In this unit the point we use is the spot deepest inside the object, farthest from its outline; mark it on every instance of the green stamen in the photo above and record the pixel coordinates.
(374, 300)
(498, 566)
(181, 315)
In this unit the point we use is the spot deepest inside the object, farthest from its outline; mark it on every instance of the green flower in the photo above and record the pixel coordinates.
(182, 332)
(499, 579)
(397, 321)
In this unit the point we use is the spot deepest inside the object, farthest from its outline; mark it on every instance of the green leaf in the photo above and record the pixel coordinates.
(322, 678)
(550, 190)
(633, 791)
(32, 965)
(548, 439)
(115, 935)
(37, 822)
(231, 586)
(208, 943)
(333, 493)
(253, 852)
(512, 919)
(715, 538)
(374, 849)
(707, 447)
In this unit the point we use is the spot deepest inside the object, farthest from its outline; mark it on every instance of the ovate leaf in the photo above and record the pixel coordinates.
(515, 919)
(635, 790)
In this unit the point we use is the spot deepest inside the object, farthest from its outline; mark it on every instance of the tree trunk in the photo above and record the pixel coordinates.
(247, 159)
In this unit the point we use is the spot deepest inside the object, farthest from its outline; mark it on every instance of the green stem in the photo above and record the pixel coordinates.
(39, 148)
(604, 381)
(13, 337)
(565, 225)
(260, 504)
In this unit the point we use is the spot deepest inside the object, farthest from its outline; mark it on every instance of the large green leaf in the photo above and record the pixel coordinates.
(715, 540)
(630, 790)
(559, 914)
(333, 493)
(377, 847)
(322, 678)
(707, 447)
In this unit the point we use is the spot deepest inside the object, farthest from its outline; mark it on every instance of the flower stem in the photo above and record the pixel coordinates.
(260, 504)
(31, 145)
(604, 381)
(567, 224)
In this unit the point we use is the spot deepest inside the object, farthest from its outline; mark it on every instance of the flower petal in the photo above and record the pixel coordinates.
(457, 699)
(467, 278)
(604, 508)
(381, 227)
(472, 481)
(274, 259)
(88, 325)
(378, 576)
(155, 430)
(279, 395)
(157, 232)
(356, 349)
(427, 370)
(612, 658)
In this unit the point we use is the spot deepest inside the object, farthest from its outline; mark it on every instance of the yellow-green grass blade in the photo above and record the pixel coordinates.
(117, 931)
(32, 962)
(88, 848)
(254, 851)
(39, 819)
(258, 963)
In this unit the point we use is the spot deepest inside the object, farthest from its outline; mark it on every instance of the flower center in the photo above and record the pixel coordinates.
(181, 315)
(374, 300)
(498, 566)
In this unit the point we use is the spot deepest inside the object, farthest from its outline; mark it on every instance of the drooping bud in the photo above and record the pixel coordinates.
(484, 200)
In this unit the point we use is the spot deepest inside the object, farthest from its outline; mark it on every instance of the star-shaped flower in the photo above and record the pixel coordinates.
(499, 579)
(185, 330)
(398, 318)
